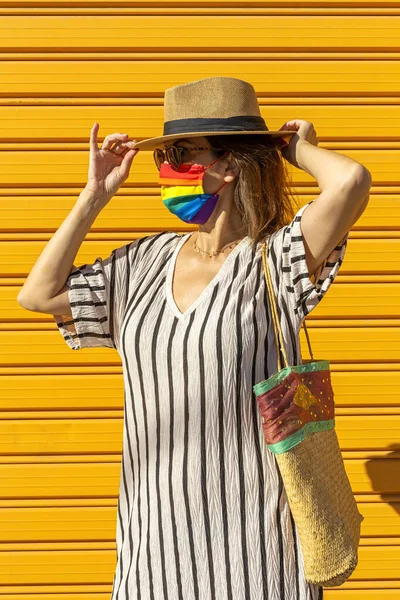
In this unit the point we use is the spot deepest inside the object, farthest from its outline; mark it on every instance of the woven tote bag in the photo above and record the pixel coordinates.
(298, 414)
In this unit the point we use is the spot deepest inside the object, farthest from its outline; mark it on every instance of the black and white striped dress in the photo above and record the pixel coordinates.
(202, 512)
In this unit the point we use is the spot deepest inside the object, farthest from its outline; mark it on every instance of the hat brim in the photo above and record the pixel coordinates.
(158, 142)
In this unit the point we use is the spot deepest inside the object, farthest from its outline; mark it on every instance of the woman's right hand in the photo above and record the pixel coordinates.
(109, 166)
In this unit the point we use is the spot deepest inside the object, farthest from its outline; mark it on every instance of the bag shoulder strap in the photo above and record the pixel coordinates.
(274, 310)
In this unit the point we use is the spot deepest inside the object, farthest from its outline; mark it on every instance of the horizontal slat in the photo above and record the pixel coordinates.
(359, 300)
(146, 213)
(158, 33)
(105, 391)
(84, 596)
(52, 502)
(36, 593)
(102, 545)
(366, 389)
(273, 77)
(111, 545)
(345, 300)
(60, 480)
(88, 567)
(329, 594)
(72, 122)
(182, 4)
(28, 459)
(111, 369)
(346, 454)
(353, 594)
(373, 476)
(74, 391)
(380, 519)
(64, 524)
(366, 541)
(98, 523)
(352, 345)
(118, 413)
(99, 545)
(363, 256)
(62, 436)
(112, 502)
(389, 584)
(102, 479)
(23, 503)
(81, 436)
(69, 168)
(376, 432)
(57, 567)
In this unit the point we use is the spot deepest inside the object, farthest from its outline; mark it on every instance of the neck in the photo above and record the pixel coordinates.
(212, 248)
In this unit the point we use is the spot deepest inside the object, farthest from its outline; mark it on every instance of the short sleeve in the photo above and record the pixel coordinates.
(303, 292)
(98, 297)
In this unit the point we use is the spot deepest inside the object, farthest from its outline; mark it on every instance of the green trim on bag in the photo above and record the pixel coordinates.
(295, 439)
(267, 384)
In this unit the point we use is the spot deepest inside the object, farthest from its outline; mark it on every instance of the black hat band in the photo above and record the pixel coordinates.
(242, 123)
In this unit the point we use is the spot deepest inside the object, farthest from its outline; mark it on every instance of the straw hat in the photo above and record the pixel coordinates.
(210, 106)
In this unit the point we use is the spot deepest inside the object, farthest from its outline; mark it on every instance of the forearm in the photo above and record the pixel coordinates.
(328, 167)
(51, 270)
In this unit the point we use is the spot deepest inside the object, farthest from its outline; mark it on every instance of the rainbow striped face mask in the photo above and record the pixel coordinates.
(183, 194)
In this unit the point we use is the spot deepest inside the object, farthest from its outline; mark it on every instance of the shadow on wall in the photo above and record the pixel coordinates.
(384, 474)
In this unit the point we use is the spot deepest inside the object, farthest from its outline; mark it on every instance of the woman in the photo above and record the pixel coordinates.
(202, 510)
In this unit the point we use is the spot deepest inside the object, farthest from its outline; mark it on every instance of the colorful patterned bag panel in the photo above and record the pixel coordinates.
(295, 402)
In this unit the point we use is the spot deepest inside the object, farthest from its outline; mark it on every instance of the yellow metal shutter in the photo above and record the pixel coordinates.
(66, 65)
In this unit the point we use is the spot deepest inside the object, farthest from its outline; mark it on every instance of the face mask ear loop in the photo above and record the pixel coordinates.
(216, 160)
(220, 188)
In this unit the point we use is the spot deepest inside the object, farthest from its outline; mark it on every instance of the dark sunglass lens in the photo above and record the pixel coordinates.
(158, 157)
(174, 156)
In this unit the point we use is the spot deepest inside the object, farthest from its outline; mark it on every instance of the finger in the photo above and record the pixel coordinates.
(112, 152)
(109, 140)
(116, 135)
(126, 163)
(121, 147)
(292, 125)
(93, 137)
(115, 150)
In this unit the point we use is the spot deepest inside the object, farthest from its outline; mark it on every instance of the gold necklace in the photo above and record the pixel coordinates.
(204, 253)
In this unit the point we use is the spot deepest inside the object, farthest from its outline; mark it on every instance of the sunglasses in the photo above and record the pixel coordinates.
(173, 154)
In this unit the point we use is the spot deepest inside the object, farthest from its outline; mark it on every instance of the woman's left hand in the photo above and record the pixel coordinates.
(304, 132)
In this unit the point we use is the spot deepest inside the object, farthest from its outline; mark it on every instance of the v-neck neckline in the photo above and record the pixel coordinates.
(209, 287)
